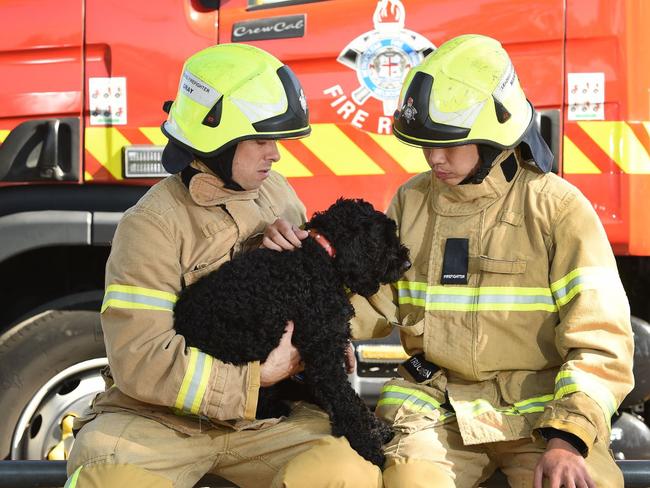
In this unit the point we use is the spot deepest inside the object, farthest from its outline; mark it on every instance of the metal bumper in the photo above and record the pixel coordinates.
(36, 474)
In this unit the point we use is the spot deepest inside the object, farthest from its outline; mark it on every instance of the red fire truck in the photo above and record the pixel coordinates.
(81, 88)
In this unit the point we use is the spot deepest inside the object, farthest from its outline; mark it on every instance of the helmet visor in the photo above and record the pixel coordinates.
(296, 117)
(413, 124)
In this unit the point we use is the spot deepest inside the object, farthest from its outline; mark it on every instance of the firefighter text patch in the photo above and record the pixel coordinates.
(455, 264)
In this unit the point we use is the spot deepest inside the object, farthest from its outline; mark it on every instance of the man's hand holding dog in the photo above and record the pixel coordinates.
(283, 361)
(282, 235)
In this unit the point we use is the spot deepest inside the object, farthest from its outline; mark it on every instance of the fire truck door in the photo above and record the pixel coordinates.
(134, 54)
(40, 87)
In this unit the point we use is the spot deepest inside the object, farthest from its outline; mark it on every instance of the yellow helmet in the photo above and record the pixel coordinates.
(229, 93)
(467, 92)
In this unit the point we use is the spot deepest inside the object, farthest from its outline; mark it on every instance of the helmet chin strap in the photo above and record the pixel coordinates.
(221, 165)
(488, 158)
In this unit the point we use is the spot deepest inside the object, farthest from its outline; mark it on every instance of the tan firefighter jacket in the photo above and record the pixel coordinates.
(539, 336)
(169, 239)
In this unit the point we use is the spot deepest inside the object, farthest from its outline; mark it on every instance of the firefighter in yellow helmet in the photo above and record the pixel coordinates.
(170, 414)
(513, 313)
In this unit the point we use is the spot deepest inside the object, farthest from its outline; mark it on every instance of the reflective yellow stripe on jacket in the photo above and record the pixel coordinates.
(587, 278)
(196, 377)
(566, 382)
(135, 297)
(571, 381)
(469, 299)
(507, 298)
(72, 480)
(415, 400)
(419, 401)
(195, 382)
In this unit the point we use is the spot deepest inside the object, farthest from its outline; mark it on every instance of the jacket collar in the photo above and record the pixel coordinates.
(207, 190)
(469, 199)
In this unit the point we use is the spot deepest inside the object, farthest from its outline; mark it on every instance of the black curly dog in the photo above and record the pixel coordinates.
(239, 312)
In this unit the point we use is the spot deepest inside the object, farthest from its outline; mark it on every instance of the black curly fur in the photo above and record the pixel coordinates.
(239, 312)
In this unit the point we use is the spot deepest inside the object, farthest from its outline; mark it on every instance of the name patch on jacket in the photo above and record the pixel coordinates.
(456, 261)
(418, 368)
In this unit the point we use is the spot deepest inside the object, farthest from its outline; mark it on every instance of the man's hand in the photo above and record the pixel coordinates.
(283, 361)
(283, 236)
(563, 466)
(350, 359)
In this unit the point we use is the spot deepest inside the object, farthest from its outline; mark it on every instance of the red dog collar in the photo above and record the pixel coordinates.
(322, 240)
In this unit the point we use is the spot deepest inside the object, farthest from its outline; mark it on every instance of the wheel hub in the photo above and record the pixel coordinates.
(44, 429)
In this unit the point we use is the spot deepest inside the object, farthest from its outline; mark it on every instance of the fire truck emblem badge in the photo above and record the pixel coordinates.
(382, 57)
(408, 111)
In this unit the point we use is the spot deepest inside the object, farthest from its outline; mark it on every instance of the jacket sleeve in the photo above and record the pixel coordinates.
(375, 316)
(594, 336)
(148, 360)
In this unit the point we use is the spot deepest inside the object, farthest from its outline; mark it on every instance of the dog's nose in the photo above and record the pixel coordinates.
(406, 265)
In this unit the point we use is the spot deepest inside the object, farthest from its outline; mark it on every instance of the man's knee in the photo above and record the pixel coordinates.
(112, 475)
(417, 474)
(331, 462)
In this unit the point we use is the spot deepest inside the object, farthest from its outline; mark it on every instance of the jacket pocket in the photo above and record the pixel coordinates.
(501, 266)
(202, 269)
(219, 226)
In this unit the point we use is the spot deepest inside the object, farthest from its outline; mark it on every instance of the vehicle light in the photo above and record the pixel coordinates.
(381, 353)
(143, 161)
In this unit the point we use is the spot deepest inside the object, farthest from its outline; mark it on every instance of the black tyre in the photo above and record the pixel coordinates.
(49, 371)
(630, 437)
(641, 391)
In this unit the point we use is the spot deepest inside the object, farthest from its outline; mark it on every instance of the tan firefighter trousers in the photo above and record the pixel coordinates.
(435, 457)
(125, 450)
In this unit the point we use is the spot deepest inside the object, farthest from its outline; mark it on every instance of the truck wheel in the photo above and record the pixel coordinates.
(630, 437)
(49, 372)
(641, 391)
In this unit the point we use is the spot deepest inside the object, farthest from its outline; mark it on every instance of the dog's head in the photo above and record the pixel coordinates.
(368, 251)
